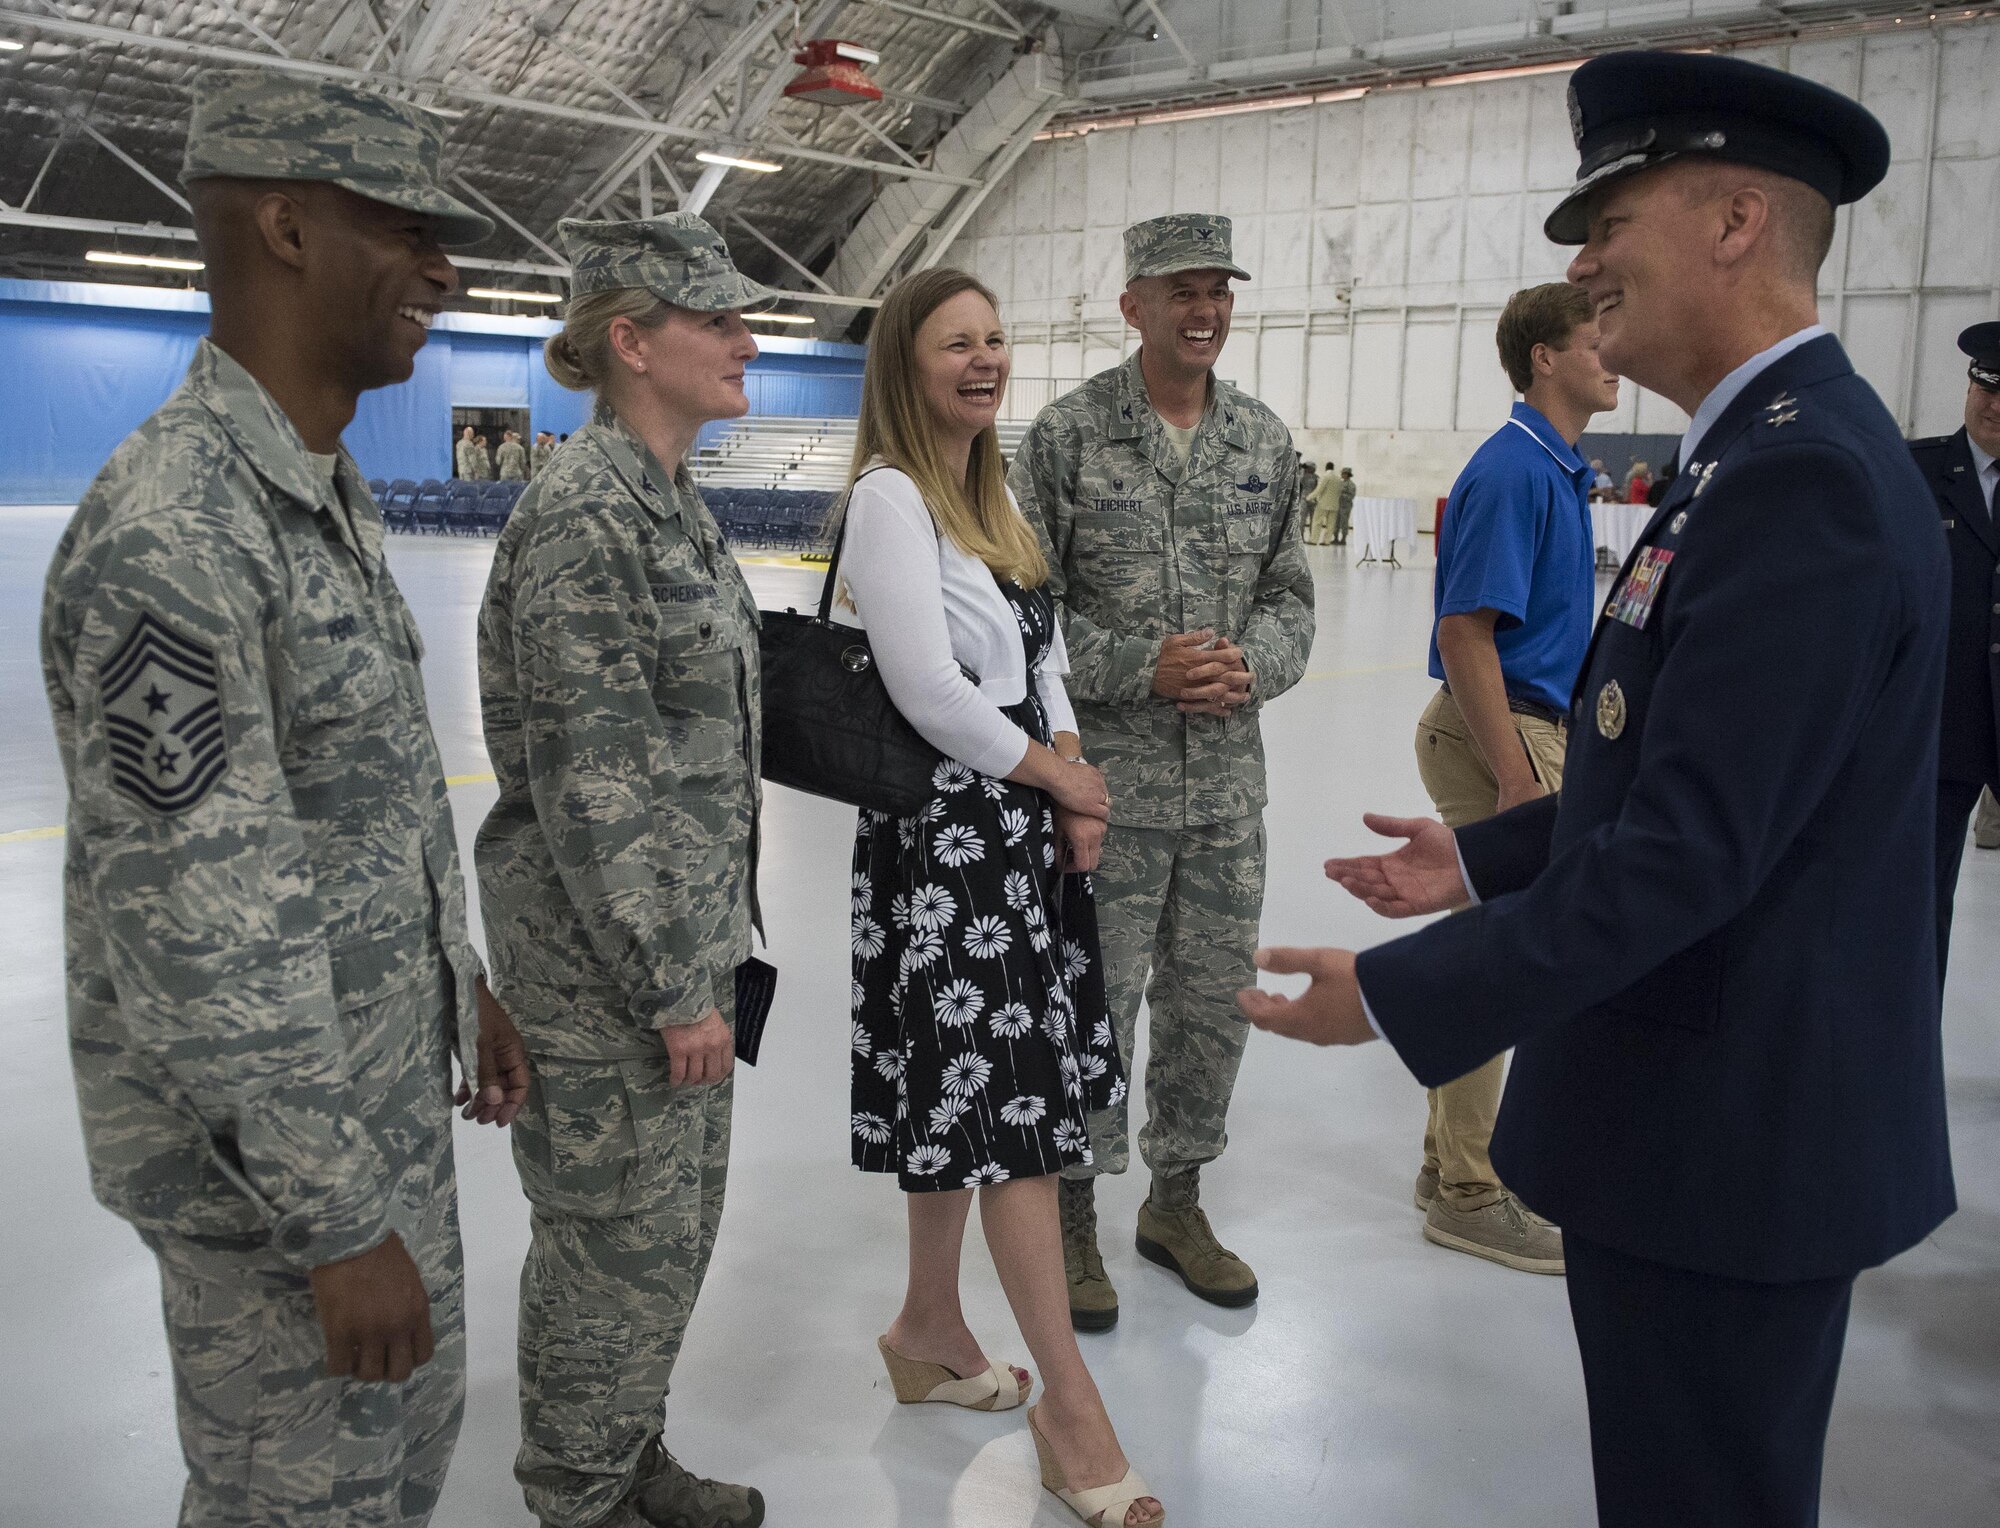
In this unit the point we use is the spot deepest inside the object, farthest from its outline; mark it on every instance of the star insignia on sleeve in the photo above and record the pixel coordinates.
(167, 744)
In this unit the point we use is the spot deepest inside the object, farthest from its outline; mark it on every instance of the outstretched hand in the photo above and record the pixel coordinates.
(1421, 877)
(1328, 1012)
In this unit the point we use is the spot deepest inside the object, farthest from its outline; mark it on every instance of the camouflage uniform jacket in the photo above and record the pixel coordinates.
(618, 676)
(1140, 548)
(471, 459)
(260, 844)
(513, 459)
(538, 458)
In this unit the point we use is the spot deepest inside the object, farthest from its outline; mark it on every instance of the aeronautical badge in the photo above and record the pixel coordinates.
(163, 717)
(1782, 409)
(1252, 484)
(1611, 710)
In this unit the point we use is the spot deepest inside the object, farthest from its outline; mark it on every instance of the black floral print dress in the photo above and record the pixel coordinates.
(981, 1037)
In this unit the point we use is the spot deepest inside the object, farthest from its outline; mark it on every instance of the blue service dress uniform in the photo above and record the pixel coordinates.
(1969, 743)
(1714, 952)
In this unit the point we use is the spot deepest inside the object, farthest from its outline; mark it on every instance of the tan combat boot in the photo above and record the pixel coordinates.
(669, 1495)
(1093, 1303)
(1174, 1233)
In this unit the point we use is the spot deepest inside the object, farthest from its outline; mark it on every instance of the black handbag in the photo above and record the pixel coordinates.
(830, 728)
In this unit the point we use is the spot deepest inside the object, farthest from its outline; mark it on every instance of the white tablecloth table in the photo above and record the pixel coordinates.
(1379, 524)
(1617, 526)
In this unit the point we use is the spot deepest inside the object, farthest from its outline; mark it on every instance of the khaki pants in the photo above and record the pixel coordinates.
(1463, 790)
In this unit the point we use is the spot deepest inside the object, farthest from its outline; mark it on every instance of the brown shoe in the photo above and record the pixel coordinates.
(1174, 1233)
(1426, 1191)
(1093, 1303)
(1505, 1232)
(670, 1496)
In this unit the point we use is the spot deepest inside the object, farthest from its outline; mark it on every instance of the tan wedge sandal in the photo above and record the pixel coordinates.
(1099, 1506)
(915, 1381)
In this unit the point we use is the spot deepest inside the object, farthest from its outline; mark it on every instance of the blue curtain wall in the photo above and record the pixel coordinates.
(82, 365)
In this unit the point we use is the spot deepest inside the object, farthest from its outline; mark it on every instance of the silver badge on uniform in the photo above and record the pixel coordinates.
(1680, 523)
(163, 717)
(1611, 710)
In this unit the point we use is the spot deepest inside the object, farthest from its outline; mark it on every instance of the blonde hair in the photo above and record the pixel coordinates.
(579, 358)
(896, 426)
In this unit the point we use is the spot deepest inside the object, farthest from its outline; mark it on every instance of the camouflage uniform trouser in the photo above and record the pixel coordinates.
(626, 1177)
(270, 1440)
(1184, 904)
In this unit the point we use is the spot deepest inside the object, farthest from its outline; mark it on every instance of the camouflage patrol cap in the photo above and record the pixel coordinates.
(1180, 241)
(677, 257)
(257, 124)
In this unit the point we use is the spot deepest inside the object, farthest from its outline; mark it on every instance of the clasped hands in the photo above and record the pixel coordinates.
(1203, 674)
(1421, 877)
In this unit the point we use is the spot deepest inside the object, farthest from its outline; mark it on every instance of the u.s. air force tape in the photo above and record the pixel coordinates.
(163, 717)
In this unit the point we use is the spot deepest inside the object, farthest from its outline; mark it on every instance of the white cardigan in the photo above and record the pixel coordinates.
(928, 607)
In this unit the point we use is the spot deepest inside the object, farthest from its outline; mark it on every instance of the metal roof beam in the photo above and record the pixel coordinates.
(125, 38)
(134, 166)
(947, 19)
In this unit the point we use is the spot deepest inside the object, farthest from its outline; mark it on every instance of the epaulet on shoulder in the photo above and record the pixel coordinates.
(1932, 443)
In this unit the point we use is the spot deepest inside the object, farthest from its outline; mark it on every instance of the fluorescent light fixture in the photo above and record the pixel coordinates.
(501, 294)
(858, 53)
(737, 162)
(778, 318)
(154, 262)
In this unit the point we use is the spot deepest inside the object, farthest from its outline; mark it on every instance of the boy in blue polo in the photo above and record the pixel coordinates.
(1515, 595)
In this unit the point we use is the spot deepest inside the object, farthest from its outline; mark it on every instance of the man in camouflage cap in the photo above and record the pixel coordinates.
(618, 680)
(1171, 510)
(268, 968)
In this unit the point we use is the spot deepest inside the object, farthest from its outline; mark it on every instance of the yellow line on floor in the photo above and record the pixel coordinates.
(28, 835)
(1357, 673)
(23, 835)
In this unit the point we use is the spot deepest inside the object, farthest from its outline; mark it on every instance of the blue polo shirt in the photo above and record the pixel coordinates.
(1517, 538)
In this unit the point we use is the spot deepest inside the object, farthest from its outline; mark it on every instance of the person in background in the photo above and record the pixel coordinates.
(1343, 521)
(1963, 469)
(981, 1039)
(1168, 501)
(466, 456)
(265, 938)
(1715, 951)
(618, 682)
(538, 457)
(513, 458)
(1602, 489)
(1323, 509)
(1308, 478)
(1514, 595)
(1638, 483)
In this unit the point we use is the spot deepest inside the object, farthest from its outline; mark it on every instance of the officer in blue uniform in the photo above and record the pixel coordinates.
(1961, 470)
(1714, 949)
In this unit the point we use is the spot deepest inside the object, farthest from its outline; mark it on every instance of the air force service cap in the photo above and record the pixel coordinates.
(1982, 343)
(677, 257)
(1181, 241)
(257, 124)
(1633, 111)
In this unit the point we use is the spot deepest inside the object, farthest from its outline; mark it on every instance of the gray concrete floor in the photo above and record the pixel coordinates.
(1380, 1381)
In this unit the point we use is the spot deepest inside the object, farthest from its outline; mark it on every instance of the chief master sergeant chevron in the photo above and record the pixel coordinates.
(1170, 503)
(265, 931)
